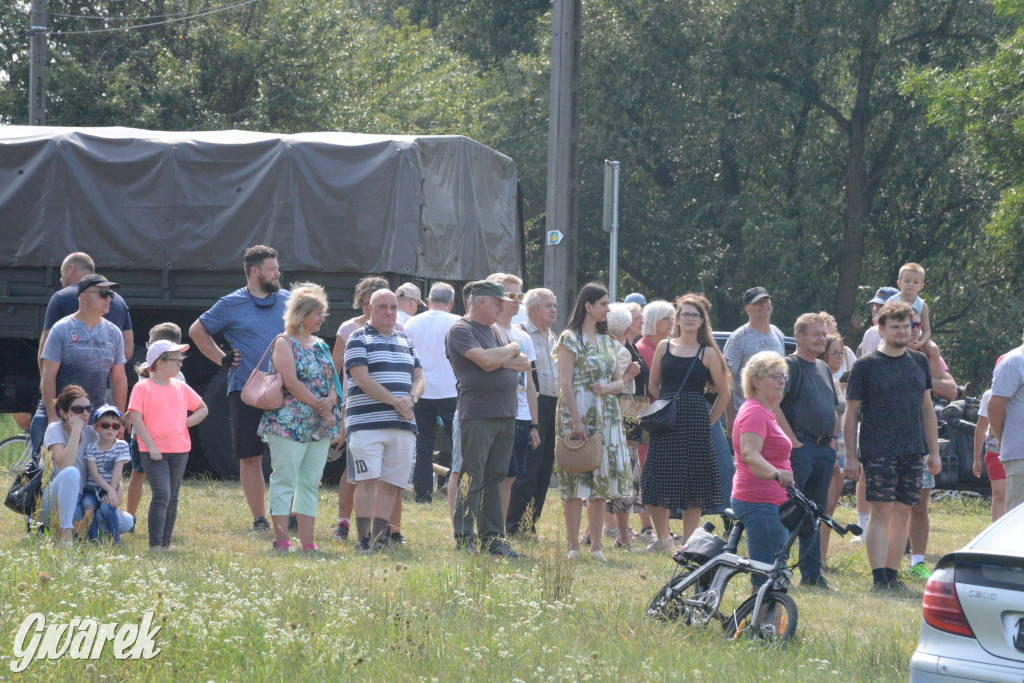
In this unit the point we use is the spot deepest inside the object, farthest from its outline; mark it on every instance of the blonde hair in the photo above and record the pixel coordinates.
(306, 298)
(758, 367)
(653, 312)
(143, 370)
(619, 319)
(505, 279)
(910, 267)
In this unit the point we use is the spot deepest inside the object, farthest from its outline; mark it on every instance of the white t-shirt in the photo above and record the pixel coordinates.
(991, 442)
(1008, 382)
(427, 332)
(871, 341)
(526, 346)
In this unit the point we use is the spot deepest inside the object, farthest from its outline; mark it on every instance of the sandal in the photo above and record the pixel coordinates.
(285, 547)
(627, 545)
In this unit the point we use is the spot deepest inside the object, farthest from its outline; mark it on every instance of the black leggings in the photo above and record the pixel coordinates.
(164, 477)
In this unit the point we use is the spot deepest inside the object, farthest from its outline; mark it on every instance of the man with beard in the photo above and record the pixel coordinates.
(890, 393)
(249, 318)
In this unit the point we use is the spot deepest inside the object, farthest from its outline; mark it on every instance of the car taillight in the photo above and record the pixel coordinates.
(941, 606)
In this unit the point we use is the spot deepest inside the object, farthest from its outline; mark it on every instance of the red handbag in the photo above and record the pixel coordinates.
(264, 390)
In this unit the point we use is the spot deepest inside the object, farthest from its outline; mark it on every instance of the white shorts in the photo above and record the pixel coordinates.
(385, 454)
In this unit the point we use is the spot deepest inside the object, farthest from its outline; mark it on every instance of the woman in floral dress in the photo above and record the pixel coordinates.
(588, 381)
(300, 431)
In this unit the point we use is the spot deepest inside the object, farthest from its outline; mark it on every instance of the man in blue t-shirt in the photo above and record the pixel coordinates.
(249, 318)
(63, 303)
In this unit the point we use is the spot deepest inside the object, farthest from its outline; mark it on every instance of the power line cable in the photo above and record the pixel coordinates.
(156, 23)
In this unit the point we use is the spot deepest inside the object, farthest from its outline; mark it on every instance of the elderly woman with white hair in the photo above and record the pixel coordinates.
(763, 470)
(620, 323)
(300, 431)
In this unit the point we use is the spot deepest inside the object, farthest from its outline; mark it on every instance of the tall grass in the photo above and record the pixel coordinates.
(230, 609)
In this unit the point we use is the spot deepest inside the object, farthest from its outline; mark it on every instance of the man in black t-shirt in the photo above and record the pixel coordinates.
(890, 393)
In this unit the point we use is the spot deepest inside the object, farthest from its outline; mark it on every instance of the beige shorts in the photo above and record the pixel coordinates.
(385, 454)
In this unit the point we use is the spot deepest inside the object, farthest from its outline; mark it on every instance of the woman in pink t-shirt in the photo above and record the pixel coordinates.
(762, 458)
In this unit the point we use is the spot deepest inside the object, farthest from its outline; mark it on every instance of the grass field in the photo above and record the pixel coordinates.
(231, 610)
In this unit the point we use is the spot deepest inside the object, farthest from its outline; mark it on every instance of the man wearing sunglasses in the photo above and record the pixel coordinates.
(63, 303)
(86, 349)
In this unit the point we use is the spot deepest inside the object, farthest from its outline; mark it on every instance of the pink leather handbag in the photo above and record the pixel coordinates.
(264, 390)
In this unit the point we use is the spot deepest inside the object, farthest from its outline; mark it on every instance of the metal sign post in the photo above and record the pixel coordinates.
(611, 222)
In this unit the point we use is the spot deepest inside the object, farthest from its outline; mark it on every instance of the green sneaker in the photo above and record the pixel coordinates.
(919, 571)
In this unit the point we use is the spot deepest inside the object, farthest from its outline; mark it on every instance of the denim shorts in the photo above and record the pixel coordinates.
(517, 463)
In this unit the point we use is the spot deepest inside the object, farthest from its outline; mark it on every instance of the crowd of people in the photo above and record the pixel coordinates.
(479, 408)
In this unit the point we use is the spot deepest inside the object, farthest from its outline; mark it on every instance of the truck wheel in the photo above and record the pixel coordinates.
(215, 430)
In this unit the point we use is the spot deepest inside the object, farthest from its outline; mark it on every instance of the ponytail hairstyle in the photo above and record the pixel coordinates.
(65, 398)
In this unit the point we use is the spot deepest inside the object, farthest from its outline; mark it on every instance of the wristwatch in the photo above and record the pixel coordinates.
(535, 426)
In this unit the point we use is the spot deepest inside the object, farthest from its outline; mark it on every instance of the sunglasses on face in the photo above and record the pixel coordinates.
(109, 425)
(915, 325)
(78, 410)
(105, 293)
(516, 296)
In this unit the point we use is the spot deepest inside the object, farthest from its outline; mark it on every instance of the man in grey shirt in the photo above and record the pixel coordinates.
(757, 335)
(808, 417)
(485, 364)
(1006, 419)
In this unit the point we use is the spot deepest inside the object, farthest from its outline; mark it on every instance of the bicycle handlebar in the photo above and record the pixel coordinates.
(796, 494)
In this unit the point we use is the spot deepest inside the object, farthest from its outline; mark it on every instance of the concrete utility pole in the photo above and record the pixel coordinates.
(563, 157)
(37, 64)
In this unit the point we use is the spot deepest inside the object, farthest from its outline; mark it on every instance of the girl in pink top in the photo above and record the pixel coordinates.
(159, 412)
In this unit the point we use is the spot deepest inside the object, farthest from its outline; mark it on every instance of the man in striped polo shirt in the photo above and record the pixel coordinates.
(385, 380)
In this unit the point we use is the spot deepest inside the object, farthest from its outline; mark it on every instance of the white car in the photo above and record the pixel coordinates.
(972, 625)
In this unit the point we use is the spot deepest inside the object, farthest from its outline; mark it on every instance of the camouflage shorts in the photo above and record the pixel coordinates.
(927, 480)
(894, 479)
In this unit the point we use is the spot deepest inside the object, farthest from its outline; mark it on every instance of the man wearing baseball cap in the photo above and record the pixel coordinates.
(872, 336)
(86, 349)
(755, 336)
(486, 364)
(409, 301)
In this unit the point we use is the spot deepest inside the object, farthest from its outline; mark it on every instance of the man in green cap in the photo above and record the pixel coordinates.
(486, 364)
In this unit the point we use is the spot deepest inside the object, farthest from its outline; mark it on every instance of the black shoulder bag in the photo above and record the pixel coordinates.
(26, 489)
(660, 417)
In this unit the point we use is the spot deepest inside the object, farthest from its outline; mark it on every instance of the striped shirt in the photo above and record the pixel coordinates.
(390, 361)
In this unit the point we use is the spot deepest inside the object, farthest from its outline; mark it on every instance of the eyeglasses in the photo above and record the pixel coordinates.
(78, 410)
(109, 425)
(779, 376)
(179, 361)
(104, 293)
(689, 315)
(516, 296)
(836, 354)
(915, 325)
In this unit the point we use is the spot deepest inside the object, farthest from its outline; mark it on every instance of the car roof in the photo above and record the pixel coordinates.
(1004, 537)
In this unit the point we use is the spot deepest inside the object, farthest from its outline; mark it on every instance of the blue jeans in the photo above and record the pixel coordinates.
(764, 531)
(726, 464)
(812, 474)
(104, 516)
(37, 429)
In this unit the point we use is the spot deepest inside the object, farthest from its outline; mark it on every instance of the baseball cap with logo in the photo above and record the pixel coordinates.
(755, 294)
(95, 280)
(884, 294)
(409, 291)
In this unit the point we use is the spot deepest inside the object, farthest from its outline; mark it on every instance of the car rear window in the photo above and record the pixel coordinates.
(993, 574)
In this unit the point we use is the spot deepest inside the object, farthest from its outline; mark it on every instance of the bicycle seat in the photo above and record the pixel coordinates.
(729, 514)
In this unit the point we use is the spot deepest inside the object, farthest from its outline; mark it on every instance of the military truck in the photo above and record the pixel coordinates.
(168, 215)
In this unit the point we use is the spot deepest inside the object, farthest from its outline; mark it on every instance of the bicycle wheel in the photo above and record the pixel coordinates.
(14, 453)
(670, 604)
(777, 623)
